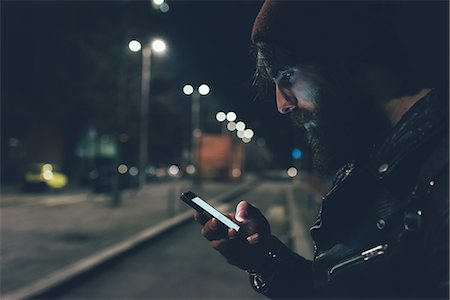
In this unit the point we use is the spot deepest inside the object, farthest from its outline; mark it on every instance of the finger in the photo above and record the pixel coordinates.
(253, 239)
(245, 211)
(202, 218)
(241, 211)
(214, 230)
(233, 250)
(232, 233)
(220, 244)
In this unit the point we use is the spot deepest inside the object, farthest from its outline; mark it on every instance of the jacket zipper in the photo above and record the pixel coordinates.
(363, 257)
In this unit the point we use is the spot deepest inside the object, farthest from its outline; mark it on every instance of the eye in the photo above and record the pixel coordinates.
(288, 76)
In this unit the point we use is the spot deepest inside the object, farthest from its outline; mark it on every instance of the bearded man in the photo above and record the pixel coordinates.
(368, 81)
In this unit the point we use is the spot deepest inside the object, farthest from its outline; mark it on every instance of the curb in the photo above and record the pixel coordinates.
(77, 269)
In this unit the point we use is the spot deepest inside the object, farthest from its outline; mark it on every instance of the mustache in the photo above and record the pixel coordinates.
(300, 117)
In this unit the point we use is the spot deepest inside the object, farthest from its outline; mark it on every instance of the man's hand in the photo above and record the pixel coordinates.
(246, 249)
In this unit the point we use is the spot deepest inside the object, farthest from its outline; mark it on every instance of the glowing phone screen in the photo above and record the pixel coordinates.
(215, 213)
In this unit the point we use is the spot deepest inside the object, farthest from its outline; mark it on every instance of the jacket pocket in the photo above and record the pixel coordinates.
(364, 257)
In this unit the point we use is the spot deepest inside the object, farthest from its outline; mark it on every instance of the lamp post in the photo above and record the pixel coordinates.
(157, 46)
(189, 90)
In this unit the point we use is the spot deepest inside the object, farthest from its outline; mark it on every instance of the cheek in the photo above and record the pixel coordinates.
(306, 92)
(307, 95)
(306, 105)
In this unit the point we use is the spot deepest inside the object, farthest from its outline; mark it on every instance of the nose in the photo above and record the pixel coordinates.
(284, 106)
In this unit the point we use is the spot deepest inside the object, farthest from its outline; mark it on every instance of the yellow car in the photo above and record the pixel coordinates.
(45, 175)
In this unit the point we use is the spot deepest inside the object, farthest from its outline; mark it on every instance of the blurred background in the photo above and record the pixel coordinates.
(72, 87)
(110, 109)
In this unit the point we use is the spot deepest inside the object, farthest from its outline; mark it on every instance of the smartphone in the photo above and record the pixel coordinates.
(202, 206)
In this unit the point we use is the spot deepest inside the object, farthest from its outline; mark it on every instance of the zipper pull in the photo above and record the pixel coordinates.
(374, 252)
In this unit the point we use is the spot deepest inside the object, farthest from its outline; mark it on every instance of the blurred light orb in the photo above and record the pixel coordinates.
(164, 7)
(122, 169)
(48, 174)
(160, 172)
(190, 169)
(292, 172)
(174, 170)
(231, 116)
(158, 2)
(236, 173)
(246, 140)
(240, 133)
(248, 133)
(188, 89)
(231, 126)
(134, 45)
(204, 89)
(133, 171)
(221, 116)
(47, 167)
(240, 126)
(197, 133)
(13, 142)
(150, 170)
(296, 153)
(159, 46)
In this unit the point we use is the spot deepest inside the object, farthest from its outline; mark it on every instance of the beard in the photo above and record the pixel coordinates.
(345, 125)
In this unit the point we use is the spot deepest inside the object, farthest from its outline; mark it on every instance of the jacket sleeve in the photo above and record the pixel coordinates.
(436, 238)
(292, 278)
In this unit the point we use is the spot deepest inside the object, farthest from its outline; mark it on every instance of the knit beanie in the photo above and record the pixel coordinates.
(312, 28)
(413, 34)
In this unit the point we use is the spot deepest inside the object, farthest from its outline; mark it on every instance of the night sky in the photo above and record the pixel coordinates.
(60, 61)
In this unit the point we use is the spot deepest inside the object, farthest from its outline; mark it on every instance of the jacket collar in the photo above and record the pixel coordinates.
(421, 123)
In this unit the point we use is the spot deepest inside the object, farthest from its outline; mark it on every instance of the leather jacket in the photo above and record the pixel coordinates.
(382, 231)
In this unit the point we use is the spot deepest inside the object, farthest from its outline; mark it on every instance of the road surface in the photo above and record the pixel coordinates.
(181, 264)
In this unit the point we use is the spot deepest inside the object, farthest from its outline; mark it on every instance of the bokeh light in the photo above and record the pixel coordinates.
(188, 89)
(48, 174)
(246, 140)
(204, 89)
(236, 173)
(292, 172)
(134, 171)
(240, 126)
(231, 116)
(174, 170)
(231, 126)
(134, 45)
(190, 169)
(164, 7)
(122, 169)
(221, 116)
(248, 133)
(159, 45)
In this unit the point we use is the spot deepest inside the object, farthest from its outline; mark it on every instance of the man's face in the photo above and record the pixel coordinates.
(340, 118)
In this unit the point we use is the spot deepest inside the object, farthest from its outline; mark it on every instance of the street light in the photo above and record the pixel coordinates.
(202, 90)
(158, 46)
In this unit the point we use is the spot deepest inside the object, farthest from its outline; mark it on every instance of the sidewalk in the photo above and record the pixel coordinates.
(44, 234)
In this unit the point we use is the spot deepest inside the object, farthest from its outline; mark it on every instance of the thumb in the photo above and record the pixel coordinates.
(245, 211)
